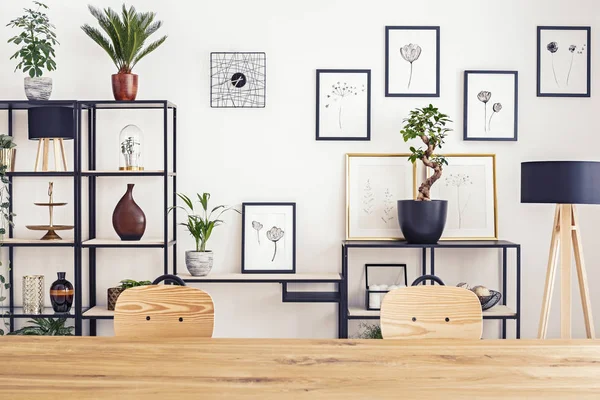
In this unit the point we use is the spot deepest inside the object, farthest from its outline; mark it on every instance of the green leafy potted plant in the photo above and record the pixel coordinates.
(199, 262)
(422, 220)
(113, 293)
(45, 327)
(125, 43)
(37, 40)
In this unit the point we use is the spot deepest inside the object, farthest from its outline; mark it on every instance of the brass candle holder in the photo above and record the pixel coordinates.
(51, 228)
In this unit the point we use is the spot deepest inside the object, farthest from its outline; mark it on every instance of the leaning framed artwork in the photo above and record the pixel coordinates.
(269, 238)
(564, 61)
(343, 104)
(412, 61)
(490, 105)
(374, 184)
(238, 79)
(468, 183)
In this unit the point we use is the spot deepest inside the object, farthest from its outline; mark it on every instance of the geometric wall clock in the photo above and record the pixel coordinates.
(238, 79)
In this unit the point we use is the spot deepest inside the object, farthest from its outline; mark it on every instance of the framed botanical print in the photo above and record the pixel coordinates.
(490, 105)
(269, 238)
(564, 61)
(468, 183)
(374, 184)
(412, 61)
(343, 104)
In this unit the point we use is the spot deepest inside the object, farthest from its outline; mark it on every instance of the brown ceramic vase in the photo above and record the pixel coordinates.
(128, 218)
(125, 86)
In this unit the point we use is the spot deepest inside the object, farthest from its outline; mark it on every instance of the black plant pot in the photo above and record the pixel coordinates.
(422, 222)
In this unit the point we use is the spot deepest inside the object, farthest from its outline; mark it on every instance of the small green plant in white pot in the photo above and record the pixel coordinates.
(36, 53)
(199, 262)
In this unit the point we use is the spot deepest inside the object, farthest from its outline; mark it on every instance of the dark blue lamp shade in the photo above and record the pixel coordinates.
(50, 122)
(560, 182)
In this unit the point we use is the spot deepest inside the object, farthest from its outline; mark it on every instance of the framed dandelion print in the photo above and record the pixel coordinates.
(269, 238)
(343, 104)
(468, 183)
(238, 79)
(412, 61)
(374, 184)
(564, 61)
(490, 105)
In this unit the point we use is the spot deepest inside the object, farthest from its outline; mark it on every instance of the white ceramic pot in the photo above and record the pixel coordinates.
(199, 263)
(38, 88)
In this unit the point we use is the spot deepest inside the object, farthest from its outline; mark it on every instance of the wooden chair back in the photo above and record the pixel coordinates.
(164, 311)
(431, 312)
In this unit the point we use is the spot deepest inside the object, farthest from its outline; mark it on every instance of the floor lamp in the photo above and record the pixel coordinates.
(51, 124)
(564, 183)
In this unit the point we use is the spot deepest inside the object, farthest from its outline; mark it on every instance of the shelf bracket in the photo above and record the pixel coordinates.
(308, 297)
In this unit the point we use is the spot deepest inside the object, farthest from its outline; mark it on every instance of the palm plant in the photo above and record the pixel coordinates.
(45, 327)
(127, 35)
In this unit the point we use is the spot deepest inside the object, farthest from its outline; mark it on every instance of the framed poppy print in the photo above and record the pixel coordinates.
(412, 61)
(564, 61)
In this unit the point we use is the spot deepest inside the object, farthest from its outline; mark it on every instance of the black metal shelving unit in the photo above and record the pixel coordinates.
(13, 312)
(169, 171)
(503, 245)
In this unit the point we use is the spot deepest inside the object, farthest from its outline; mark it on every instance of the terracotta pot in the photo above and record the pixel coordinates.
(125, 86)
(128, 218)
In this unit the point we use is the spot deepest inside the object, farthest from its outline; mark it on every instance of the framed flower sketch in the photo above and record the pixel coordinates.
(490, 105)
(343, 104)
(468, 183)
(238, 79)
(374, 184)
(269, 238)
(564, 61)
(412, 61)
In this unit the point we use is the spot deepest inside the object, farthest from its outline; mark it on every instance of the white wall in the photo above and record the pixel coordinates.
(270, 154)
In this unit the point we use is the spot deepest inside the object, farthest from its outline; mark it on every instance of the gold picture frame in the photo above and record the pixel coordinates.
(494, 196)
(349, 158)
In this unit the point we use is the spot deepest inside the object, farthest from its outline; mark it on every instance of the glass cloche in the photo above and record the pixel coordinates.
(130, 144)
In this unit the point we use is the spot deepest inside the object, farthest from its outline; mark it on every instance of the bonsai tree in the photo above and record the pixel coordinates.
(429, 125)
(127, 35)
(36, 39)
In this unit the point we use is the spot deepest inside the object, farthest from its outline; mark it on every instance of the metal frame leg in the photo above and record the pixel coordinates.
(343, 304)
(518, 292)
(504, 290)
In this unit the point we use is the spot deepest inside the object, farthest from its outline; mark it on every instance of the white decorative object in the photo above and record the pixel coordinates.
(374, 298)
(38, 88)
(199, 263)
(33, 294)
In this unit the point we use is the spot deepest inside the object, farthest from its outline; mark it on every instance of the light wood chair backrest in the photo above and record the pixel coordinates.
(164, 311)
(431, 312)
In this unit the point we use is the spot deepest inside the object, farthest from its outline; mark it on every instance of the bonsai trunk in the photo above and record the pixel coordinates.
(425, 188)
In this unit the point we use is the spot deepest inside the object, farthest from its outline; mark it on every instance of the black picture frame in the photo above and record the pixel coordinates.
(368, 292)
(318, 103)
(268, 204)
(588, 30)
(388, 93)
(259, 93)
(466, 106)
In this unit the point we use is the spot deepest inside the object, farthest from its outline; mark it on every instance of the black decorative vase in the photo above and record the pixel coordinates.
(61, 294)
(422, 222)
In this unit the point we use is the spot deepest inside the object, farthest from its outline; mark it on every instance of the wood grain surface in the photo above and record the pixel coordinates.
(431, 312)
(120, 368)
(164, 311)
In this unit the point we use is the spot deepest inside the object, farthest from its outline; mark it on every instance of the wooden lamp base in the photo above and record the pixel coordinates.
(59, 154)
(567, 238)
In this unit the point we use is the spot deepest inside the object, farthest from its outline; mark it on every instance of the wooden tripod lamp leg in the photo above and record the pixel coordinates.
(62, 152)
(565, 270)
(45, 156)
(550, 276)
(56, 153)
(37, 155)
(582, 278)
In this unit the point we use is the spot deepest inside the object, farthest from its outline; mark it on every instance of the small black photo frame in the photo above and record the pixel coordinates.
(269, 238)
(564, 61)
(343, 104)
(380, 293)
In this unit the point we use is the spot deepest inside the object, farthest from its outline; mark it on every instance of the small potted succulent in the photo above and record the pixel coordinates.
(125, 43)
(422, 220)
(199, 262)
(113, 293)
(36, 54)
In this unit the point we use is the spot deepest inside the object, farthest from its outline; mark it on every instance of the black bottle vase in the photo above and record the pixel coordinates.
(61, 294)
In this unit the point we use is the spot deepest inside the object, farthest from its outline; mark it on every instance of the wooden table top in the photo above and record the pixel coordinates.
(103, 367)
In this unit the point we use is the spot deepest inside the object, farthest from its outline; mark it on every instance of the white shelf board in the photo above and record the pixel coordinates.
(496, 311)
(34, 241)
(99, 311)
(119, 242)
(334, 277)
